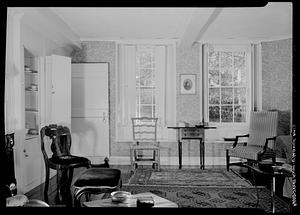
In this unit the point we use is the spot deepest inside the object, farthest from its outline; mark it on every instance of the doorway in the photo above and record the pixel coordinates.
(90, 111)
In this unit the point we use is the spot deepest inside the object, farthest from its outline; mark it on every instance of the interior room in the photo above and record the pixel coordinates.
(81, 82)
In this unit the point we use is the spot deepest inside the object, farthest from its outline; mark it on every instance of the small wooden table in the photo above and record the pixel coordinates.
(191, 133)
(275, 173)
(131, 202)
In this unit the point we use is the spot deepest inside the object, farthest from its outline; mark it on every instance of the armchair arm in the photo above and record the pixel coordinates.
(237, 139)
(267, 141)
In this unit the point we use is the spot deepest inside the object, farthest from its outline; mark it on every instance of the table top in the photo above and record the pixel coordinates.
(204, 127)
(277, 169)
(131, 202)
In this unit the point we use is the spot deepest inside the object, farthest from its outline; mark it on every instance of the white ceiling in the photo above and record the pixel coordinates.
(273, 21)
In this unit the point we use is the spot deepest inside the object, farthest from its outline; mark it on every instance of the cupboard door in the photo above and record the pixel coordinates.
(58, 74)
(33, 164)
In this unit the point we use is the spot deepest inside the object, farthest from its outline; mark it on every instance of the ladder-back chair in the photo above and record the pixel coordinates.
(145, 149)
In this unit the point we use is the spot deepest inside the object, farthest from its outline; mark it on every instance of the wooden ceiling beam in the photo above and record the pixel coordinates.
(197, 27)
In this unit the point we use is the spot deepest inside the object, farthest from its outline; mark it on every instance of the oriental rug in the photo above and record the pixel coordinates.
(188, 177)
(213, 197)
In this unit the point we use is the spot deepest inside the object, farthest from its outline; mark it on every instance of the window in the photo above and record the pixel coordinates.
(231, 87)
(145, 81)
(227, 86)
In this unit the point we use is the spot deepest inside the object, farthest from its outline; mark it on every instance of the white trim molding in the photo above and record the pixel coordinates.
(51, 26)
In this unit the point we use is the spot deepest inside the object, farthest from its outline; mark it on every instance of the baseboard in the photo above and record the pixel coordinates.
(209, 161)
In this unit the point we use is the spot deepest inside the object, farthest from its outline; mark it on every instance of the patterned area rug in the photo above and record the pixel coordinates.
(212, 197)
(188, 177)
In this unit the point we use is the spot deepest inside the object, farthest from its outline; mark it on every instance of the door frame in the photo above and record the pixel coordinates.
(109, 99)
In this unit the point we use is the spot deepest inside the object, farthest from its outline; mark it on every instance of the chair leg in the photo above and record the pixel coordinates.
(58, 188)
(68, 187)
(158, 160)
(46, 185)
(227, 160)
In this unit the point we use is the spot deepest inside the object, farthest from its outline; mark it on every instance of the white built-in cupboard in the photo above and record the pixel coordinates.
(47, 100)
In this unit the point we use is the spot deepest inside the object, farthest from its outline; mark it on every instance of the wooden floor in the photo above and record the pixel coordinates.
(37, 193)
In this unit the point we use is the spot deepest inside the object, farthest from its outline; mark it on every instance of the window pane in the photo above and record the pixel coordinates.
(214, 113)
(146, 95)
(214, 95)
(239, 60)
(239, 69)
(226, 77)
(146, 77)
(213, 78)
(213, 60)
(240, 113)
(137, 96)
(240, 95)
(145, 59)
(226, 114)
(146, 111)
(226, 60)
(239, 77)
(226, 95)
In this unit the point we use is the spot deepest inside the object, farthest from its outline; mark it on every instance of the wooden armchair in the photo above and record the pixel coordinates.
(262, 130)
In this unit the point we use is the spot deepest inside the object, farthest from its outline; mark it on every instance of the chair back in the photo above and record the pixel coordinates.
(263, 124)
(144, 129)
(59, 138)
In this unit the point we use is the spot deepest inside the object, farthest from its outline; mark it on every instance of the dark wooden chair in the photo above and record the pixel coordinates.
(58, 137)
(96, 180)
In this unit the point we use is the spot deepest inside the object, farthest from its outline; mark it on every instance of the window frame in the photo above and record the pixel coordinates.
(139, 87)
(230, 48)
(167, 85)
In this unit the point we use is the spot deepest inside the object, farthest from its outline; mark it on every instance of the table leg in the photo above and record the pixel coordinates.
(200, 155)
(273, 194)
(203, 155)
(180, 153)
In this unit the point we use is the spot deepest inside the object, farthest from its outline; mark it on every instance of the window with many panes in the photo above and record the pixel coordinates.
(227, 86)
(145, 81)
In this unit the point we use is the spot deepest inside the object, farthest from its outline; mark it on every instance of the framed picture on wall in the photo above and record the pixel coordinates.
(188, 84)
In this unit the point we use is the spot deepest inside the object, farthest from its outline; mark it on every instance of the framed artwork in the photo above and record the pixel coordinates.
(188, 84)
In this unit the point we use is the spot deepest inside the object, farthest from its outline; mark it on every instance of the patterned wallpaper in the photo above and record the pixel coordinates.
(276, 86)
(188, 106)
(277, 75)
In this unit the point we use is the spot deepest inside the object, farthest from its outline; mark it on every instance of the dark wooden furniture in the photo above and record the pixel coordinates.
(271, 170)
(96, 180)
(191, 133)
(56, 140)
(262, 130)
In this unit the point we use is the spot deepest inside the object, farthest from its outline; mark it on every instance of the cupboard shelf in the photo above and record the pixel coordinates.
(32, 110)
(32, 91)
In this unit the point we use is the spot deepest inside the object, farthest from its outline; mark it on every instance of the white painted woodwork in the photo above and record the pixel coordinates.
(58, 72)
(33, 164)
(273, 21)
(198, 24)
(90, 111)
(50, 26)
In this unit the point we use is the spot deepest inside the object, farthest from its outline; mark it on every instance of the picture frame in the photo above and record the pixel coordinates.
(187, 84)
